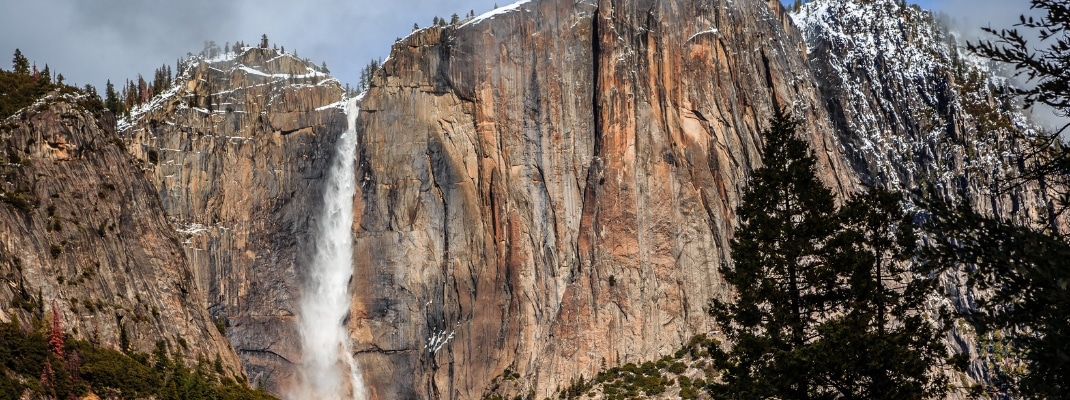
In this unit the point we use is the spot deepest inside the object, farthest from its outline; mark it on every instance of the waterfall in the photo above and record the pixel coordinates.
(328, 370)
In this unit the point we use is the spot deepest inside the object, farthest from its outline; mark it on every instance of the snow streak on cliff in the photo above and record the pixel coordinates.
(915, 110)
(238, 150)
(912, 106)
(328, 369)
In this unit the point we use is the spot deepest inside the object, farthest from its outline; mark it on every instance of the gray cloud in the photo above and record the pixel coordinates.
(92, 41)
(970, 15)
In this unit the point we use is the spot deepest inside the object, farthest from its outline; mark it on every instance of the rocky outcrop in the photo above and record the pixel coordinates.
(80, 226)
(551, 187)
(917, 111)
(237, 151)
(912, 107)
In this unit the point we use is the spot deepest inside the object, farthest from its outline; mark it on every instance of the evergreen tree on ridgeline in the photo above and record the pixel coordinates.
(20, 64)
(111, 99)
(24, 85)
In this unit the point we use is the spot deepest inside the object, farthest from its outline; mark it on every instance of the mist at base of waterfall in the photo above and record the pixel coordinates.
(328, 370)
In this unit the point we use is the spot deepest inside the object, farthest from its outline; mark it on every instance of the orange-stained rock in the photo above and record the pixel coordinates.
(552, 190)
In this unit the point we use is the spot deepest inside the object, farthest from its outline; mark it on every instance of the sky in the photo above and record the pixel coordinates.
(93, 41)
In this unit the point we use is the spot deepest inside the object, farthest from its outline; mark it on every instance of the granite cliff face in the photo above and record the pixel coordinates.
(81, 226)
(550, 188)
(912, 106)
(237, 151)
(541, 191)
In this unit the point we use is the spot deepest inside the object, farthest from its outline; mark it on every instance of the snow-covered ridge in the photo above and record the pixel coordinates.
(906, 89)
(50, 97)
(496, 12)
(261, 66)
(881, 31)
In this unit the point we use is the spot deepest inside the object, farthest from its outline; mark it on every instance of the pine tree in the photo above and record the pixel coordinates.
(48, 379)
(142, 90)
(55, 333)
(46, 75)
(157, 80)
(111, 99)
(454, 19)
(91, 92)
(1028, 273)
(124, 339)
(1042, 61)
(20, 64)
(366, 75)
(263, 41)
(784, 217)
(879, 345)
(129, 96)
(829, 302)
(1028, 269)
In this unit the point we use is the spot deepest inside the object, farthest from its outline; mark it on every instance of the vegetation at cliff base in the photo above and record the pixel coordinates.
(678, 375)
(44, 361)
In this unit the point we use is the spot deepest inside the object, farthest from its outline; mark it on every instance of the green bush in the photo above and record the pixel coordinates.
(55, 250)
(105, 371)
(17, 200)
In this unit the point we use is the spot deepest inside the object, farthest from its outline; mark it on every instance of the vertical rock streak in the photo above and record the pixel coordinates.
(328, 369)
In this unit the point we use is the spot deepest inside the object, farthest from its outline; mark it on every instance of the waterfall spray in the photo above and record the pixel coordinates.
(328, 370)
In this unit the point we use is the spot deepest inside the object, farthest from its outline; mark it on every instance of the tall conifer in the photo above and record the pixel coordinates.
(829, 303)
(20, 64)
(784, 218)
(879, 344)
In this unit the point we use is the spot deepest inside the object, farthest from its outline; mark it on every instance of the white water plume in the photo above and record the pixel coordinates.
(328, 370)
